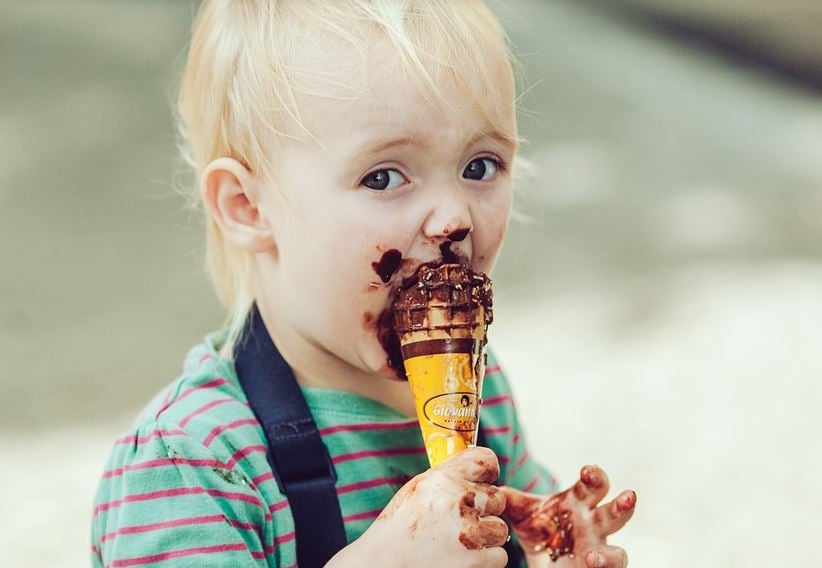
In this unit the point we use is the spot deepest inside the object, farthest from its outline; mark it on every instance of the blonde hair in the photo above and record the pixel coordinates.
(239, 86)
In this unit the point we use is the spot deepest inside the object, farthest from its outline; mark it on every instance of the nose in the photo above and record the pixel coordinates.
(450, 217)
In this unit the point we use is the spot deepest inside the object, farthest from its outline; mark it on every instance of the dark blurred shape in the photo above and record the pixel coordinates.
(783, 38)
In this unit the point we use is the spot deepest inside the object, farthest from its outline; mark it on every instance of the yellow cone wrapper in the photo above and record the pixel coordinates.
(441, 319)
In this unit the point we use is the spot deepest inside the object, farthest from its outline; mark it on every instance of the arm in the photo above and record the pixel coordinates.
(165, 497)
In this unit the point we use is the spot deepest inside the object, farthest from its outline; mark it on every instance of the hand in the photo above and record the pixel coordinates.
(569, 524)
(449, 512)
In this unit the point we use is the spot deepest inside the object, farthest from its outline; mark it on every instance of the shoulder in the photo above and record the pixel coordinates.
(205, 403)
(193, 457)
(200, 425)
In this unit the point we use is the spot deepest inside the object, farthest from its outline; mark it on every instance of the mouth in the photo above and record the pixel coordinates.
(392, 264)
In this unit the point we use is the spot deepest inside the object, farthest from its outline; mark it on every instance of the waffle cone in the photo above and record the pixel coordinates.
(442, 324)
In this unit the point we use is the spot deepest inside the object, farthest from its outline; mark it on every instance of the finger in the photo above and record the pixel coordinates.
(484, 533)
(474, 464)
(607, 557)
(489, 499)
(519, 505)
(591, 487)
(612, 516)
(494, 531)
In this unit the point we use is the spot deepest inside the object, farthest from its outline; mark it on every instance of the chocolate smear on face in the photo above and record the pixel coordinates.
(448, 256)
(459, 235)
(390, 342)
(388, 264)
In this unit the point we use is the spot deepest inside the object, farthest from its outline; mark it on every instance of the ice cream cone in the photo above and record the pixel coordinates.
(441, 319)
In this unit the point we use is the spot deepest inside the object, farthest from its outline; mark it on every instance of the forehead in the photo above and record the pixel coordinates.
(344, 91)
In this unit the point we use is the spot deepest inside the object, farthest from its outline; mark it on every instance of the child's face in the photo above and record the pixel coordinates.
(395, 174)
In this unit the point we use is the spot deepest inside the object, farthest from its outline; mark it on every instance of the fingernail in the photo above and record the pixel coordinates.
(588, 477)
(628, 503)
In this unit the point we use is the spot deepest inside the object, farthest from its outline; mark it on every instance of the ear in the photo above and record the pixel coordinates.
(231, 194)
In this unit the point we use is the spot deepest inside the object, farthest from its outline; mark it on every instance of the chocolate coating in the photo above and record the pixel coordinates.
(456, 290)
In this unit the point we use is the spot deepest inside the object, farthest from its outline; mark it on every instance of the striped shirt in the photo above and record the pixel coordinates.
(189, 483)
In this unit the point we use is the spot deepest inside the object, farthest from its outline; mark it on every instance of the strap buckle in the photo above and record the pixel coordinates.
(298, 454)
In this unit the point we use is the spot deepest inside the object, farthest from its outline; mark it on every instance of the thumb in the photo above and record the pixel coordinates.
(519, 505)
(474, 464)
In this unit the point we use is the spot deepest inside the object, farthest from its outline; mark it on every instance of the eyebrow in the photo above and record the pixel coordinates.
(424, 143)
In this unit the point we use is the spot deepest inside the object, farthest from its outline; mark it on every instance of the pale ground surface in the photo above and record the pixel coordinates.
(660, 316)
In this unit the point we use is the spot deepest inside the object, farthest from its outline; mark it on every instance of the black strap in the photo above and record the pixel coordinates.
(298, 457)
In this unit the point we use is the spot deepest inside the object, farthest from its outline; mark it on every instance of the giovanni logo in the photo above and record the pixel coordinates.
(453, 411)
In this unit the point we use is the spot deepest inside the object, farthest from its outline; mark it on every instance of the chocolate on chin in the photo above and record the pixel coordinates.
(441, 317)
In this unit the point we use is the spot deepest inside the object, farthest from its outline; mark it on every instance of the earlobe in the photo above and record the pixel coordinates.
(231, 195)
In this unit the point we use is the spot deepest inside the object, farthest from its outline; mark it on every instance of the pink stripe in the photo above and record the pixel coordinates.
(516, 438)
(164, 404)
(210, 384)
(205, 407)
(96, 551)
(223, 427)
(497, 430)
(133, 438)
(240, 454)
(203, 357)
(277, 506)
(493, 369)
(531, 484)
(376, 454)
(368, 426)
(178, 523)
(285, 538)
(263, 477)
(360, 516)
(503, 459)
(219, 381)
(162, 462)
(231, 547)
(497, 400)
(370, 483)
(176, 493)
(519, 464)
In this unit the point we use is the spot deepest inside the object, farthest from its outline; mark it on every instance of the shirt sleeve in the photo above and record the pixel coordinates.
(165, 497)
(500, 420)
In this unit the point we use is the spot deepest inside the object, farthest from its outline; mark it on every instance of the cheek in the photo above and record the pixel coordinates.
(490, 228)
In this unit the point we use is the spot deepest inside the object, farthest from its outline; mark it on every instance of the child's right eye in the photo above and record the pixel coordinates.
(383, 179)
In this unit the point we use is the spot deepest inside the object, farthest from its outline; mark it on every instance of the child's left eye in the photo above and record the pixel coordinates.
(481, 169)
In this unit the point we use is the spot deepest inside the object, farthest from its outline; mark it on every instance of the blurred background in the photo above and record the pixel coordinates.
(659, 298)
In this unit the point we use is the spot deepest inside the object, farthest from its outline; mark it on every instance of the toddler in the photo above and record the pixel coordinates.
(339, 144)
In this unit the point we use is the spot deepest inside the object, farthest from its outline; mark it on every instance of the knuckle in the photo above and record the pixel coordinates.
(492, 458)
